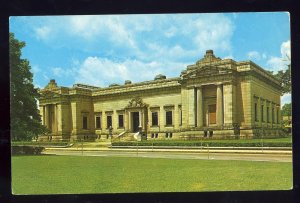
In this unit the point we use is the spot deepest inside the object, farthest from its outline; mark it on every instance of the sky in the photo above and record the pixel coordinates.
(103, 49)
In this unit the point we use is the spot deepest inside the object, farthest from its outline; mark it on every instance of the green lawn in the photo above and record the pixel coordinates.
(76, 174)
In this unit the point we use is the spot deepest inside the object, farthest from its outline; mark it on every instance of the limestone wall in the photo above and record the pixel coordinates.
(265, 94)
(243, 102)
(159, 102)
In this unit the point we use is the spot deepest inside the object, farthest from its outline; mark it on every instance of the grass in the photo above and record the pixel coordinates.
(76, 174)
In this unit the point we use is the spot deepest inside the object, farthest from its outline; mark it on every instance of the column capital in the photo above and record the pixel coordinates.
(219, 83)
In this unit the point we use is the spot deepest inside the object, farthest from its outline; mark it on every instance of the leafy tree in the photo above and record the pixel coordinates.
(287, 110)
(25, 118)
(285, 78)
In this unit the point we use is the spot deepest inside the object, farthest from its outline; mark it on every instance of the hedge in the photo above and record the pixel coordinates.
(29, 143)
(209, 143)
(30, 150)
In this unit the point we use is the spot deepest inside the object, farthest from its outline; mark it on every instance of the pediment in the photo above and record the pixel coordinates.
(207, 71)
(49, 94)
(136, 103)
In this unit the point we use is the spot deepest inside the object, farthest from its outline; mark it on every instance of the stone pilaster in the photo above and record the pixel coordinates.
(280, 116)
(42, 113)
(199, 107)
(220, 105)
(75, 118)
(191, 104)
(126, 120)
(162, 117)
(176, 116)
(47, 116)
(229, 103)
(140, 118)
(259, 111)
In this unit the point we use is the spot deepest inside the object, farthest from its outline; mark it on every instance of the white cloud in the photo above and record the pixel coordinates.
(280, 63)
(213, 31)
(102, 71)
(229, 57)
(64, 72)
(111, 27)
(171, 31)
(35, 69)
(197, 32)
(286, 49)
(254, 55)
(128, 36)
(57, 71)
(43, 32)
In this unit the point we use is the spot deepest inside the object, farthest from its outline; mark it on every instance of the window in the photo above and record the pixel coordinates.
(109, 121)
(154, 119)
(268, 119)
(98, 121)
(84, 122)
(169, 118)
(262, 113)
(121, 121)
(255, 112)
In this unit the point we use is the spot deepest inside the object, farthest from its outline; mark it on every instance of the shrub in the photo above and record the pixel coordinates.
(211, 143)
(27, 150)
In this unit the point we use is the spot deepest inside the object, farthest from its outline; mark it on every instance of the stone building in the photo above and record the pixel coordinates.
(212, 98)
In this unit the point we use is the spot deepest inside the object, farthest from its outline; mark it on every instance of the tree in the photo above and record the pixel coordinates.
(284, 76)
(286, 110)
(25, 118)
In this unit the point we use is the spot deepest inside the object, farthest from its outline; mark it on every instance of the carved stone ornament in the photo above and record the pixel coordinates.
(206, 71)
(208, 57)
(51, 85)
(136, 102)
(48, 94)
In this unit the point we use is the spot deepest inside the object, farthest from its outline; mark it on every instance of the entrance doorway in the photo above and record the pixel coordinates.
(212, 114)
(135, 121)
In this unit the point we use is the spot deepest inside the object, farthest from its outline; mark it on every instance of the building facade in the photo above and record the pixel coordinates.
(213, 98)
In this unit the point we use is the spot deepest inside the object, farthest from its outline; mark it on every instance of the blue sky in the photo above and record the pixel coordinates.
(104, 49)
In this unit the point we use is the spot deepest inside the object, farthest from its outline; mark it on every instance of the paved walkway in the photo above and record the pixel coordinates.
(249, 154)
(200, 150)
(246, 155)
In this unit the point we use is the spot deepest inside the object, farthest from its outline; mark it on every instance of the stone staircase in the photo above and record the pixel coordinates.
(125, 136)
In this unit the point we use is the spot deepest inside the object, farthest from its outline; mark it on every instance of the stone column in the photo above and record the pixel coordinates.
(175, 114)
(129, 120)
(279, 115)
(55, 118)
(229, 104)
(140, 118)
(42, 113)
(219, 105)
(199, 107)
(75, 117)
(259, 111)
(126, 118)
(191, 104)
(161, 117)
(46, 122)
